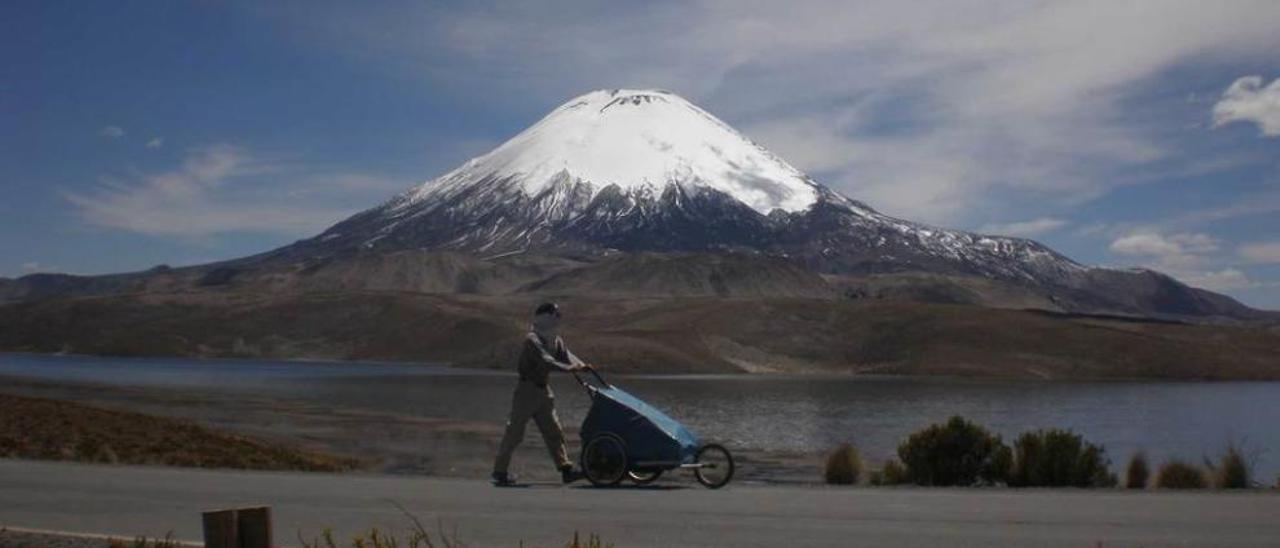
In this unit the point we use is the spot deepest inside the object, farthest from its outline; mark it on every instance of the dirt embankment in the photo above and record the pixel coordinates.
(39, 428)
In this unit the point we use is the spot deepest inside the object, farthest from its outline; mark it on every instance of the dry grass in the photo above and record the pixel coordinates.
(419, 537)
(38, 428)
(1177, 474)
(143, 542)
(891, 473)
(1233, 470)
(378, 539)
(593, 541)
(844, 466)
(1138, 472)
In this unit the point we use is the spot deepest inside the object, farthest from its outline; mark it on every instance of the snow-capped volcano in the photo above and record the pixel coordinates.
(647, 171)
(638, 205)
(637, 140)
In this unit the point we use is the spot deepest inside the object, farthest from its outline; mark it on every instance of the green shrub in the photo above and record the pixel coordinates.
(1135, 476)
(1233, 470)
(843, 465)
(956, 453)
(1176, 474)
(1058, 458)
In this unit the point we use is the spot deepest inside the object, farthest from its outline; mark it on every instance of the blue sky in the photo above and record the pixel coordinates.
(1127, 134)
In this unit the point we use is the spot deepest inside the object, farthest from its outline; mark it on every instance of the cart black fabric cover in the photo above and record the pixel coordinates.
(649, 434)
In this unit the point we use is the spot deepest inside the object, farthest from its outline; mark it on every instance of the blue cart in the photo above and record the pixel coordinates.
(625, 438)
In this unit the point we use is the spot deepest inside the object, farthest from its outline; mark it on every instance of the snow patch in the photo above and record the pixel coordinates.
(637, 138)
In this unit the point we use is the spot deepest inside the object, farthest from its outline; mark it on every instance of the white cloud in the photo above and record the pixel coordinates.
(925, 110)
(1226, 279)
(1191, 258)
(1156, 244)
(1198, 259)
(225, 189)
(1025, 229)
(112, 132)
(1248, 101)
(156, 142)
(1145, 244)
(1173, 253)
(34, 267)
(1261, 252)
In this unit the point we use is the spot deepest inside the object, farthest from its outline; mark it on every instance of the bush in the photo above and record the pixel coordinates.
(843, 465)
(1058, 458)
(1135, 476)
(956, 453)
(1232, 471)
(1180, 475)
(892, 473)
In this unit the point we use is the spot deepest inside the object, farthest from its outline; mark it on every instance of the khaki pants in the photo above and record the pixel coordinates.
(532, 401)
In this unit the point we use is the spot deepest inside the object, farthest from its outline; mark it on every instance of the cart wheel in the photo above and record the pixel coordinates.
(716, 466)
(644, 477)
(604, 460)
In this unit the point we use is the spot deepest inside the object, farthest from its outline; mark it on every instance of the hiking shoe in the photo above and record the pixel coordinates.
(502, 479)
(569, 475)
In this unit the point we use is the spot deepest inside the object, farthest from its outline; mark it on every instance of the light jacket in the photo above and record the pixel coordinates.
(538, 359)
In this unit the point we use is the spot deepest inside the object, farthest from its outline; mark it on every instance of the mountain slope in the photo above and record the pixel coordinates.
(666, 335)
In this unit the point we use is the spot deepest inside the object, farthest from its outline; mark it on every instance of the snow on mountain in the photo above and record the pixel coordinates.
(637, 139)
(645, 170)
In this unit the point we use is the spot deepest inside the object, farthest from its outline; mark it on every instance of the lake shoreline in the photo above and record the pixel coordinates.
(433, 420)
(436, 446)
(510, 371)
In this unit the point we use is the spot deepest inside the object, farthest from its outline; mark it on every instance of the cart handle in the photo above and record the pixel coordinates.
(594, 373)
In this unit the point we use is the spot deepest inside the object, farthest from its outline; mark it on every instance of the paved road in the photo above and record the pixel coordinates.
(144, 500)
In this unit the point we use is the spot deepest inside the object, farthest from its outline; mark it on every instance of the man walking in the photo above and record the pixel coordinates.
(543, 351)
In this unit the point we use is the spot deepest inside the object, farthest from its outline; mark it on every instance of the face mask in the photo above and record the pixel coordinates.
(546, 326)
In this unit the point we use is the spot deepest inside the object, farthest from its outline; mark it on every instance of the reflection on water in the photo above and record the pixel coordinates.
(791, 413)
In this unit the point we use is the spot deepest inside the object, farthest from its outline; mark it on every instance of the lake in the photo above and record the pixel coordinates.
(802, 413)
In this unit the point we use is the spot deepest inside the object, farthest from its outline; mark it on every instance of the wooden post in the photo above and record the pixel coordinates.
(254, 526)
(220, 529)
(238, 528)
